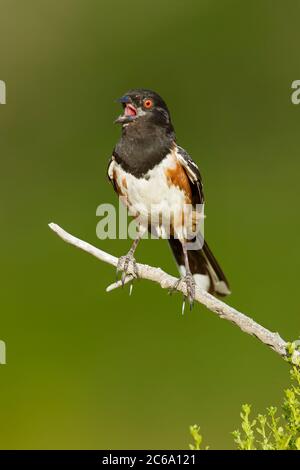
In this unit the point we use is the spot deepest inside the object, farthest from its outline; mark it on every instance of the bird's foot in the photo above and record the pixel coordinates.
(189, 282)
(128, 266)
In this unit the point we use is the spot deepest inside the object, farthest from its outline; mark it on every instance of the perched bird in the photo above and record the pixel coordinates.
(155, 176)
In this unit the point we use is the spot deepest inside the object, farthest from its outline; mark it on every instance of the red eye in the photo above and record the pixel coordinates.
(148, 103)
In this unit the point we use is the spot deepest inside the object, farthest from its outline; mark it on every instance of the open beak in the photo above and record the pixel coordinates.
(130, 111)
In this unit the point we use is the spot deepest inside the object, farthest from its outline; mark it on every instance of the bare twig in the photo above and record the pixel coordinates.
(166, 281)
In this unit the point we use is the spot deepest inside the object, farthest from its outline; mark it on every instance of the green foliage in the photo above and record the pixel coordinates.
(247, 441)
(197, 438)
(271, 430)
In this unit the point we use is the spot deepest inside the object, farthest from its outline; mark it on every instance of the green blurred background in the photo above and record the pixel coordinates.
(87, 369)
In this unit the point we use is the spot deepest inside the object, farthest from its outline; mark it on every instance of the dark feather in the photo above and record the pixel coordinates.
(202, 262)
(193, 173)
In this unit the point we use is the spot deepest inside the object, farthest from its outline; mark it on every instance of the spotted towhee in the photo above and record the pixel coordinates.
(155, 176)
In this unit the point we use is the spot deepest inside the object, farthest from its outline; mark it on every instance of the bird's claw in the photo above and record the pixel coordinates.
(190, 285)
(128, 266)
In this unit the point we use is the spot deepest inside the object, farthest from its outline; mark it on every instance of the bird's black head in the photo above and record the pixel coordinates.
(145, 106)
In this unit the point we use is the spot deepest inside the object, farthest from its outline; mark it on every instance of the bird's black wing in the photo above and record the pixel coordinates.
(110, 173)
(193, 174)
(110, 167)
(204, 266)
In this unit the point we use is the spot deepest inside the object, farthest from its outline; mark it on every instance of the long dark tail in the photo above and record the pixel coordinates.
(204, 266)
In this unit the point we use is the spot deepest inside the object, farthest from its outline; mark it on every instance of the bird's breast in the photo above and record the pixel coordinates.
(161, 193)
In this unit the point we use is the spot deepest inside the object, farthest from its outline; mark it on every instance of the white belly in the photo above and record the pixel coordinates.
(153, 196)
